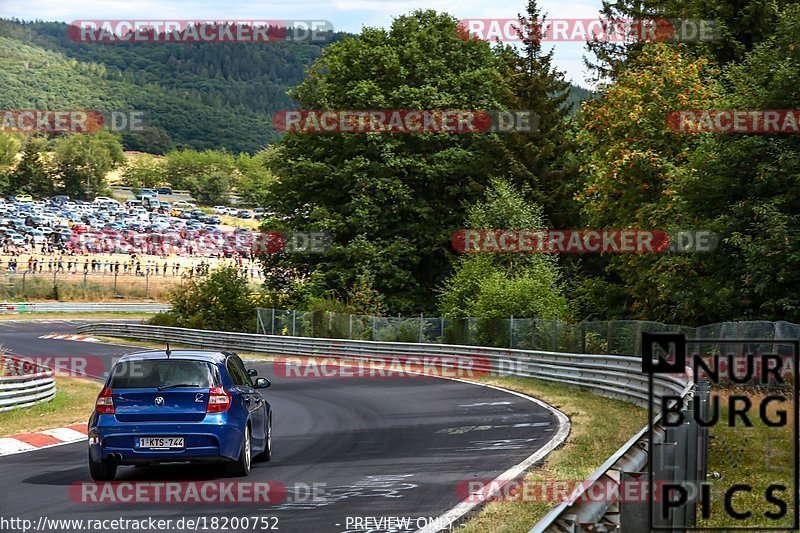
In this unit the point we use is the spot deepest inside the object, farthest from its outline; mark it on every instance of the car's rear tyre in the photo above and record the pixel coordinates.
(102, 471)
(266, 455)
(241, 467)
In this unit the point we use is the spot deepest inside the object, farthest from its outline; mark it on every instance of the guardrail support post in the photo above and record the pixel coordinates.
(583, 337)
(555, 335)
(663, 459)
(692, 453)
(634, 515)
(511, 332)
(294, 323)
(420, 327)
(259, 323)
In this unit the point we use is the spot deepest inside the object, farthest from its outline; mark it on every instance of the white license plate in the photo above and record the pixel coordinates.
(160, 443)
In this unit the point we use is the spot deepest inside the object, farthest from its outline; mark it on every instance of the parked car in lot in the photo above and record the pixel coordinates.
(166, 191)
(244, 213)
(220, 210)
(180, 406)
(183, 204)
(59, 199)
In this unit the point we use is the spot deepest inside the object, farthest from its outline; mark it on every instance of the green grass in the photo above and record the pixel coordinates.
(72, 404)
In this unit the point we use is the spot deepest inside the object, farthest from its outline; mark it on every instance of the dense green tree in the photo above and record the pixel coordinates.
(538, 88)
(33, 174)
(185, 169)
(633, 164)
(255, 178)
(219, 301)
(9, 149)
(391, 201)
(733, 28)
(211, 187)
(143, 171)
(507, 284)
(747, 188)
(84, 160)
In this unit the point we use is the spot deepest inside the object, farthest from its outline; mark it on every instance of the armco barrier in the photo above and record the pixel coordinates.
(612, 376)
(24, 383)
(679, 454)
(81, 307)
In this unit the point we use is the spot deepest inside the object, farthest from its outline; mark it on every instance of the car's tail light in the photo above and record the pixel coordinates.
(105, 404)
(218, 400)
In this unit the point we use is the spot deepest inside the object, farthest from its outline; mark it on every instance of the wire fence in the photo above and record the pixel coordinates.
(615, 337)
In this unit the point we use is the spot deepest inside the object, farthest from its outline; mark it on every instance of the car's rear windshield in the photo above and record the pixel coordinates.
(161, 373)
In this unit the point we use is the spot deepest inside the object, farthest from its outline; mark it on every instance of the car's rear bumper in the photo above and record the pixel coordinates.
(203, 441)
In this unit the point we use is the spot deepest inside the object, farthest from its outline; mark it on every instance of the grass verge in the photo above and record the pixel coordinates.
(73, 403)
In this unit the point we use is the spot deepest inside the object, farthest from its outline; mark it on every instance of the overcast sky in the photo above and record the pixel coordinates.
(345, 15)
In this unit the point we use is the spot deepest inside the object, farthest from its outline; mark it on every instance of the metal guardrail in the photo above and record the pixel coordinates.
(612, 376)
(81, 307)
(24, 383)
(679, 454)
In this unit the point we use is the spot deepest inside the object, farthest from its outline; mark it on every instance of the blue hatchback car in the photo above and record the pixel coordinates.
(179, 406)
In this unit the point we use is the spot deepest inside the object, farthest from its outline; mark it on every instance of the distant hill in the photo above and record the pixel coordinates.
(578, 94)
(195, 95)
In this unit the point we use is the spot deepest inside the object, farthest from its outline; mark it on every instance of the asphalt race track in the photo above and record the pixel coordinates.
(374, 447)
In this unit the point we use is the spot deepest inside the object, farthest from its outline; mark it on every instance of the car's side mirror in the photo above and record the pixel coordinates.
(252, 372)
(262, 383)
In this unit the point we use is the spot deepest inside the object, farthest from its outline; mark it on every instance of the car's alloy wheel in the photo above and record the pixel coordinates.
(247, 447)
(242, 465)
